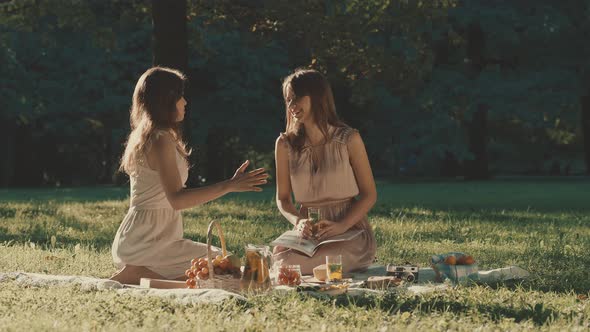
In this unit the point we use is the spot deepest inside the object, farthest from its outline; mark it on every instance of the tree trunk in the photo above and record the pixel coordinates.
(170, 34)
(220, 156)
(477, 168)
(7, 151)
(170, 47)
(585, 108)
(29, 170)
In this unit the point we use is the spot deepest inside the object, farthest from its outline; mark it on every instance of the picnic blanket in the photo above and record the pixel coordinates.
(183, 296)
(427, 274)
(193, 296)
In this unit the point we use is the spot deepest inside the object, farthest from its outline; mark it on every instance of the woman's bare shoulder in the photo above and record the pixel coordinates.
(282, 141)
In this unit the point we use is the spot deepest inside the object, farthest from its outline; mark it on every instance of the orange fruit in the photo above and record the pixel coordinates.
(451, 260)
(224, 265)
(469, 260)
(461, 260)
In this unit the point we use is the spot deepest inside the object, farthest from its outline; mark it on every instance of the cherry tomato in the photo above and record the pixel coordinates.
(191, 282)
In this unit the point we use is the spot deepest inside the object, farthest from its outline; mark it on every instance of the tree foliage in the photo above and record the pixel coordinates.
(408, 74)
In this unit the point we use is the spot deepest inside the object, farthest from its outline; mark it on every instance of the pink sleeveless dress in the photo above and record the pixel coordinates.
(332, 187)
(151, 233)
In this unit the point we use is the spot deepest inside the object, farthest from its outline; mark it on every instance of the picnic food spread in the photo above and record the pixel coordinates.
(226, 272)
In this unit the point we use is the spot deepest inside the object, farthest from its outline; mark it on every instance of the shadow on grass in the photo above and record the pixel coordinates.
(393, 303)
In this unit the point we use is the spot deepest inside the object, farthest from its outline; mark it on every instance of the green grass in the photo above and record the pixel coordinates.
(542, 226)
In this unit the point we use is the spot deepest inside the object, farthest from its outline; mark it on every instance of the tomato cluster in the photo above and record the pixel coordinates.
(200, 269)
(288, 276)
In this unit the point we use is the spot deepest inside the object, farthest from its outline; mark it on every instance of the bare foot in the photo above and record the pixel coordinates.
(131, 274)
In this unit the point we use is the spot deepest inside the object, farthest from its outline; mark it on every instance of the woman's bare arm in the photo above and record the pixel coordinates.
(164, 149)
(367, 191)
(364, 179)
(284, 201)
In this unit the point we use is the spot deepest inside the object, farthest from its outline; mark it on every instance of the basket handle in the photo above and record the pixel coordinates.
(209, 252)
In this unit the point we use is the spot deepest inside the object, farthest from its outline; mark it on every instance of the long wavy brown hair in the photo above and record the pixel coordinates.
(153, 110)
(310, 82)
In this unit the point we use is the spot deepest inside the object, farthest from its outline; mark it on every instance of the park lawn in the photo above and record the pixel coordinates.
(542, 226)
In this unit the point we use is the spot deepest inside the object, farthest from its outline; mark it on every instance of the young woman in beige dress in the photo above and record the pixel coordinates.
(149, 242)
(323, 163)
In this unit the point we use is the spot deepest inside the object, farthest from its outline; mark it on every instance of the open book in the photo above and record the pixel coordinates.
(291, 239)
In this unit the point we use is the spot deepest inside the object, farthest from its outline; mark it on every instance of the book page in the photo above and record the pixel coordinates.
(291, 239)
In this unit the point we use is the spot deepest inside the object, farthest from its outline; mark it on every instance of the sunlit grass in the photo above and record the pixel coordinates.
(498, 223)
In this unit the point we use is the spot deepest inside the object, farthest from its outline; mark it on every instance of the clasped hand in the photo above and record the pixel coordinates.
(325, 229)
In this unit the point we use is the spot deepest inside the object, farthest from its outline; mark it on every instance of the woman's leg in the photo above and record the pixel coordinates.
(279, 249)
(131, 274)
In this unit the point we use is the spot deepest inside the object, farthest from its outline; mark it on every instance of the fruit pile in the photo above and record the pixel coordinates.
(228, 265)
(461, 260)
(289, 276)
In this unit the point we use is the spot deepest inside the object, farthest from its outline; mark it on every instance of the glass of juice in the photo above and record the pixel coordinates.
(334, 268)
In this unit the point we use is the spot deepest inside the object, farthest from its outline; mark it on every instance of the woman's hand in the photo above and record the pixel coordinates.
(328, 229)
(247, 181)
(304, 228)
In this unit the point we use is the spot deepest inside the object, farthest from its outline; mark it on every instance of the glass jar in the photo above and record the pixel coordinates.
(257, 268)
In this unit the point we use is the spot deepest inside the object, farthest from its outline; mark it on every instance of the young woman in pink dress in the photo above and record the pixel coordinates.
(323, 163)
(149, 242)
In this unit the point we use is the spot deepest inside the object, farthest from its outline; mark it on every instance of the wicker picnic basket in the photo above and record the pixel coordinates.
(225, 282)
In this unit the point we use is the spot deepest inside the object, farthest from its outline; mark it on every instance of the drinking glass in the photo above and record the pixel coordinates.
(334, 268)
(314, 215)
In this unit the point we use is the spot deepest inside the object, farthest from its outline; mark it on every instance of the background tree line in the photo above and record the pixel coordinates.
(437, 88)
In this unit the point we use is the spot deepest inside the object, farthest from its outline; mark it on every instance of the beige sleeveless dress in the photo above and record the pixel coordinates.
(151, 233)
(332, 187)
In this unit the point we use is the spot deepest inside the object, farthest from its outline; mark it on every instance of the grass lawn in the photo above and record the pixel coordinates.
(542, 226)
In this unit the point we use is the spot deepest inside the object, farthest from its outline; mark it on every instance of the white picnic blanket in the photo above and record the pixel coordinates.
(183, 296)
(191, 296)
(427, 275)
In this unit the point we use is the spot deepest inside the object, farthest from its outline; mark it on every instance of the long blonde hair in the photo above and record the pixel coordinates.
(310, 82)
(153, 111)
